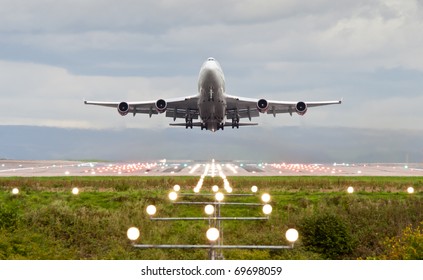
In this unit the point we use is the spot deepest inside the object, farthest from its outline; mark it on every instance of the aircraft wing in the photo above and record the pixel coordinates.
(251, 107)
(174, 108)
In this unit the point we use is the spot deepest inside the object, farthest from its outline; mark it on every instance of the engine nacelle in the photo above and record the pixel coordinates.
(301, 108)
(161, 106)
(123, 108)
(262, 105)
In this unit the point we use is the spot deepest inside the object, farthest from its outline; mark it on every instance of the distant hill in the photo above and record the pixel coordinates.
(291, 144)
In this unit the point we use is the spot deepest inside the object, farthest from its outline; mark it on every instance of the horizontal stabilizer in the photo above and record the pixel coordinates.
(199, 124)
(184, 124)
(240, 124)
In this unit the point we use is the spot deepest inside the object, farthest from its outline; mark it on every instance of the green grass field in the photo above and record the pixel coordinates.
(380, 220)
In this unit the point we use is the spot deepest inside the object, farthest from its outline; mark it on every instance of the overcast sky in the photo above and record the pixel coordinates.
(55, 54)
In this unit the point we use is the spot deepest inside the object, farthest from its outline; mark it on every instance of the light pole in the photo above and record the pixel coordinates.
(212, 235)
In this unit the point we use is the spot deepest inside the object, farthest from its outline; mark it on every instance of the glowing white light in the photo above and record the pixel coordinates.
(15, 191)
(212, 234)
(67, 173)
(291, 235)
(410, 190)
(197, 190)
(219, 196)
(267, 209)
(151, 210)
(215, 188)
(133, 233)
(350, 189)
(173, 196)
(209, 209)
(254, 189)
(176, 188)
(265, 198)
(75, 191)
(229, 190)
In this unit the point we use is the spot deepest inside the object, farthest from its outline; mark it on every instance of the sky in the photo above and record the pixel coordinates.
(55, 54)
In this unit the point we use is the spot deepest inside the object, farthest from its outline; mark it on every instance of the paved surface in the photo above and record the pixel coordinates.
(198, 168)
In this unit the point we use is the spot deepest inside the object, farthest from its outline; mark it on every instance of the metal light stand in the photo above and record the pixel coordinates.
(215, 247)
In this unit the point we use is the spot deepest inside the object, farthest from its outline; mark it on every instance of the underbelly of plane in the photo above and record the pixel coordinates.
(212, 114)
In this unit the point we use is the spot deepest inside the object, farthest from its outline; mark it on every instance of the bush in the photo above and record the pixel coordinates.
(8, 217)
(407, 246)
(326, 234)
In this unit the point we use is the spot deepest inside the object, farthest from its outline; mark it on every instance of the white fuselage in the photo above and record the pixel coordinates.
(212, 101)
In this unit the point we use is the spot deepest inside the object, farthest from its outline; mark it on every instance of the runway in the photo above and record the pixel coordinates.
(31, 168)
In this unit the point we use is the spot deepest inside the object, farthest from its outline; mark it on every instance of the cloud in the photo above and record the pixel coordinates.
(33, 94)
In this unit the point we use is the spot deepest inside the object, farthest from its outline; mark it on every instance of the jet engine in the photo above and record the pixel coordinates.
(262, 105)
(301, 108)
(123, 108)
(161, 106)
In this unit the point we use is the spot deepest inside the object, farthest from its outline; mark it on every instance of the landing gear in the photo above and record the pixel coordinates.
(235, 123)
(188, 122)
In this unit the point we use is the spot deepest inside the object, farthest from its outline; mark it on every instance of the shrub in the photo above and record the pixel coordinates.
(326, 234)
(8, 217)
(407, 246)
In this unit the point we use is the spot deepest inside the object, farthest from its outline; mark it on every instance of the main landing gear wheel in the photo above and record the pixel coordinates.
(235, 123)
(188, 123)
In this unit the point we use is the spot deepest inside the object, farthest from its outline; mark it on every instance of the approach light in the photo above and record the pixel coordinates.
(410, 190)
(15, 191)
(133, 233)
(67, 172)
(265, 198)
(229, 190)
(254, 189)
(267, 209)
(212, 234)
(151, 210)
(173, 196)
(350, 189)
(291, 235)
(209, 209)
(196, 190)
(176, 188)
(215, 188)
(75, 191)
(219, 197)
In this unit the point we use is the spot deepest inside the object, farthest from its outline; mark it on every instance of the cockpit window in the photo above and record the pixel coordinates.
(210, 59)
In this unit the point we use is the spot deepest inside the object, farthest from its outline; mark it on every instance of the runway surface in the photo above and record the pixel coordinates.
(28, 168)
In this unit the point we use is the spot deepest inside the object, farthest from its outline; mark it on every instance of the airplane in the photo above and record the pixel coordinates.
(212, 106)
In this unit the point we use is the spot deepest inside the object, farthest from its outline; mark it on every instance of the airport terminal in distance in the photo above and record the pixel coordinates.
(40, 168)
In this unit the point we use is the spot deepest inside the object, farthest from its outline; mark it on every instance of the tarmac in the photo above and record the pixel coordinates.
(49, 168)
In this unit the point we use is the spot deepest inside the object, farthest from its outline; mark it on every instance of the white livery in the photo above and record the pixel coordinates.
(212, 109)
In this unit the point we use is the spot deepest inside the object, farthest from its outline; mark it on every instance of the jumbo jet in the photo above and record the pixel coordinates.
(212, 109)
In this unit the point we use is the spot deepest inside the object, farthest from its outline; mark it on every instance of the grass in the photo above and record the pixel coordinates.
(45, 221)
